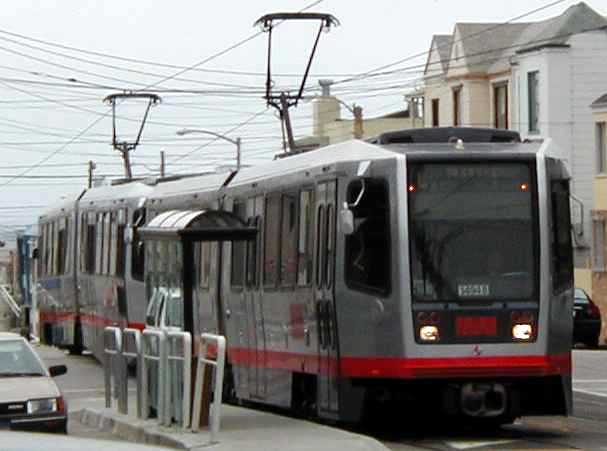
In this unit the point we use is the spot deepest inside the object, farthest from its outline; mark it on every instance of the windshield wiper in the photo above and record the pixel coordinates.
(20, 374)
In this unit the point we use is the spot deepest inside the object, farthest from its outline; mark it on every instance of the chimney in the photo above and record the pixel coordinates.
(326, 109)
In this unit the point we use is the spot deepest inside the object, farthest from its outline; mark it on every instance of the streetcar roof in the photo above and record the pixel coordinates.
(62, 208)
(353, 150)
(115, 193)
(196, 184)
(469, 148)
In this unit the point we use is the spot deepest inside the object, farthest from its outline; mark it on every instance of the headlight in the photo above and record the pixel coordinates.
(522, 332)
(43, 405)
(428, 333)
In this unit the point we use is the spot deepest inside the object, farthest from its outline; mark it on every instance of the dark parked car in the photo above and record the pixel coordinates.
(586, 320)
(29, 398)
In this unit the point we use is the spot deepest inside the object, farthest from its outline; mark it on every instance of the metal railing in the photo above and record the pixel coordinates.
(8, 298)
(178, 396)
(164, 367)
(218, 365)
(136, 354)
(153, 349)
(114, 365)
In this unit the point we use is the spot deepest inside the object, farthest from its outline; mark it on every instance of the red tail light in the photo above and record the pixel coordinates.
(593, 311)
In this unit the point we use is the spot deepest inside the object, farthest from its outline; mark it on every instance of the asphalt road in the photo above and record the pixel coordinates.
(586, 429)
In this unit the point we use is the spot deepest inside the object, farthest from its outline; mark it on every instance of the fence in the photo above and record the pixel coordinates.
(164, 372)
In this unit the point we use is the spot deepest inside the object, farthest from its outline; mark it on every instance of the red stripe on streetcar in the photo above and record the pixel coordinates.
(371, 367)
(54, 317)
(403, 368)
(490, 366)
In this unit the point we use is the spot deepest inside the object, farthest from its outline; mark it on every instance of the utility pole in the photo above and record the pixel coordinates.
(162, 164)
(92, 167)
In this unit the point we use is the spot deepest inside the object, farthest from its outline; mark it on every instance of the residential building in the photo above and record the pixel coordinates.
(538, 78)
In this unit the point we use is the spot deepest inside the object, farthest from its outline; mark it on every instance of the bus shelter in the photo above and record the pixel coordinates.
(170, 267)
(170, 239)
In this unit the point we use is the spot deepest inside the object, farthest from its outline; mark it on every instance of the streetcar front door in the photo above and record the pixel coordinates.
(253, 304)
(328, 402)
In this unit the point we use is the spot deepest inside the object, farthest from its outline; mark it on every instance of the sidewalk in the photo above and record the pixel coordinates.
(241, 429)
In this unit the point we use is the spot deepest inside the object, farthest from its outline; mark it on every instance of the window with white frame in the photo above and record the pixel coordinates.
(598, 251)
(601, 147)
(533, 96)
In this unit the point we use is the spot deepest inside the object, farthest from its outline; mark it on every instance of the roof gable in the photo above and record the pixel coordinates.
(486, 47)
(438, 56)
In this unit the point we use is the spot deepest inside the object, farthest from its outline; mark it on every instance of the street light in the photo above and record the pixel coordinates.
(187, 131)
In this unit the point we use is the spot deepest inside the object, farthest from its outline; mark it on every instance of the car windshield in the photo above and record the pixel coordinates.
(581, 298)
(472, 231)
(17, 359)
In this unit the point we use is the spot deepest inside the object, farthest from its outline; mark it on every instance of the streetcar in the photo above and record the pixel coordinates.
(90, 266)
(427, 270)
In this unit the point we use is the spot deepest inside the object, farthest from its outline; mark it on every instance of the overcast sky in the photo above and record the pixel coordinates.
(51, 109)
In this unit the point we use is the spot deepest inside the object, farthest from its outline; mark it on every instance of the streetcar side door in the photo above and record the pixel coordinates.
(328, 402)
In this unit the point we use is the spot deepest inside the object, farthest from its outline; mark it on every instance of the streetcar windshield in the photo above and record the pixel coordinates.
(472, 231)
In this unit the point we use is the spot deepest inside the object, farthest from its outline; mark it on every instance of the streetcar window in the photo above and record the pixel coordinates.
(113, 244)
(473, 231)
(562, 253)
(99, 247)
(288, 257)
(368, 248)
(91, 239)
(320, 245)
(305, 246)
(107, 244)
(82, 243)
(253, 247)
(271, 241)
(238, 251)
(137, 250)
(61, 245)
(120, 251)
(330, 245)
(66, 246)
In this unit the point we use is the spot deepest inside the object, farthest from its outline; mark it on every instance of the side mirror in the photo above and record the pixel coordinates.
(35, 254)
(57, 370)
(346, 219)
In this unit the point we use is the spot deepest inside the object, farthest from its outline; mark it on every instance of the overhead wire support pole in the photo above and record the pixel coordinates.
(283, 101)
(126, 147)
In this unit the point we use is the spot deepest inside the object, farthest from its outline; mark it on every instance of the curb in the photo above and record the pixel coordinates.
(148, 432)
(137, 431)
